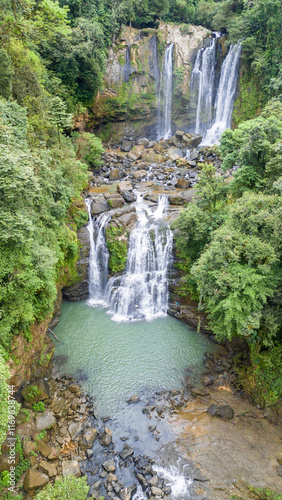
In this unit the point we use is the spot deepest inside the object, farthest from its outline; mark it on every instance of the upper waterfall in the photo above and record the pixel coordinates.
(142, 293)
(164, 119)
(202, 85)
(225, 96)
(99, 256)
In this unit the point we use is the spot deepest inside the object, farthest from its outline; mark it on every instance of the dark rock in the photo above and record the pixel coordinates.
(126, 452)
(106, 437)
(79, 290)
(126, 146)
(109, 466)
(225, 412)
(89, 453)
(213, 409)
(99, 205)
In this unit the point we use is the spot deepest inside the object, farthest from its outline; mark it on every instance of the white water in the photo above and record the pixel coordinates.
(225, 96)
(202, 85)
(99, 256)
(173, 477)
(164, 122)
(142, 292)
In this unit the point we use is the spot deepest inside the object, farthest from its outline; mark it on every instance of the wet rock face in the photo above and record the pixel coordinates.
(79, 290)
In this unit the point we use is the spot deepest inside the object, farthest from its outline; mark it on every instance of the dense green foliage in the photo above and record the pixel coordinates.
(65, 488)
(116, 239)
(230, 245)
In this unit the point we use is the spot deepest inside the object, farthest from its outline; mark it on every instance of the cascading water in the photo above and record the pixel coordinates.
(98, 259)
(164, 119)
(202, 85)
(225, 96)
(142, 293)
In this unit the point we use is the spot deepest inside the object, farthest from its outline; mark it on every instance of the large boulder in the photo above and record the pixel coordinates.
(45, 420)
(126, 452)
(88, 438)
(34, 479)
(70, 468)
(124, 186)
(136, 152)
(126, 146)
(140, 174)
(99, 205)
(36, 392)
(106, 437)
(192, 140)
(114, 174)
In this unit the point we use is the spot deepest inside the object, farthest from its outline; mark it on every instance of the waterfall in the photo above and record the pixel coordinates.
(142, 292)
(126, 68)
(98, 259)
(202, 85)
(225, 96)
(164, 119)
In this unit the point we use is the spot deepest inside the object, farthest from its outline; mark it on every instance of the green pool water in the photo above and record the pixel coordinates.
(122, 359)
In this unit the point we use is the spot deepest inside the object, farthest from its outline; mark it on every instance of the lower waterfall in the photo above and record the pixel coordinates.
(142, 292)
(98, 259)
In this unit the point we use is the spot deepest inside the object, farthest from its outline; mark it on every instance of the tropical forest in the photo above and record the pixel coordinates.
(141, 249)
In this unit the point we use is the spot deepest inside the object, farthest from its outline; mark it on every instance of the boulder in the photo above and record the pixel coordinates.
(36, 392)
(34, 479)
(99, 205)
(144, 141)
(114, 174)
(89, 437)
(44, 449)
(129, 197)
(106, 438)
(124, 186)
(192, 140)
(225, 411)
(156, 491)
(128, 219)
(134, 399)
(126, 146)
(136, 152)
(126, 452)
(28, 447)
(89, 453)
(140, 174)
(45, 420)
(158, 147)
(174, 156)
(109, 466)
(212, 409)
(179, 134)
(70, 468)
(115, 201)
(182, 184)
(75, 428)
(152, 157)
(51, 469)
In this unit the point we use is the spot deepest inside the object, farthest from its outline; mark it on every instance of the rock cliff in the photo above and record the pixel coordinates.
(128, 103)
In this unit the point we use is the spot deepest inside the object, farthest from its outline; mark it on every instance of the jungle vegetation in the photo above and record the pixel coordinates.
(52, 57)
